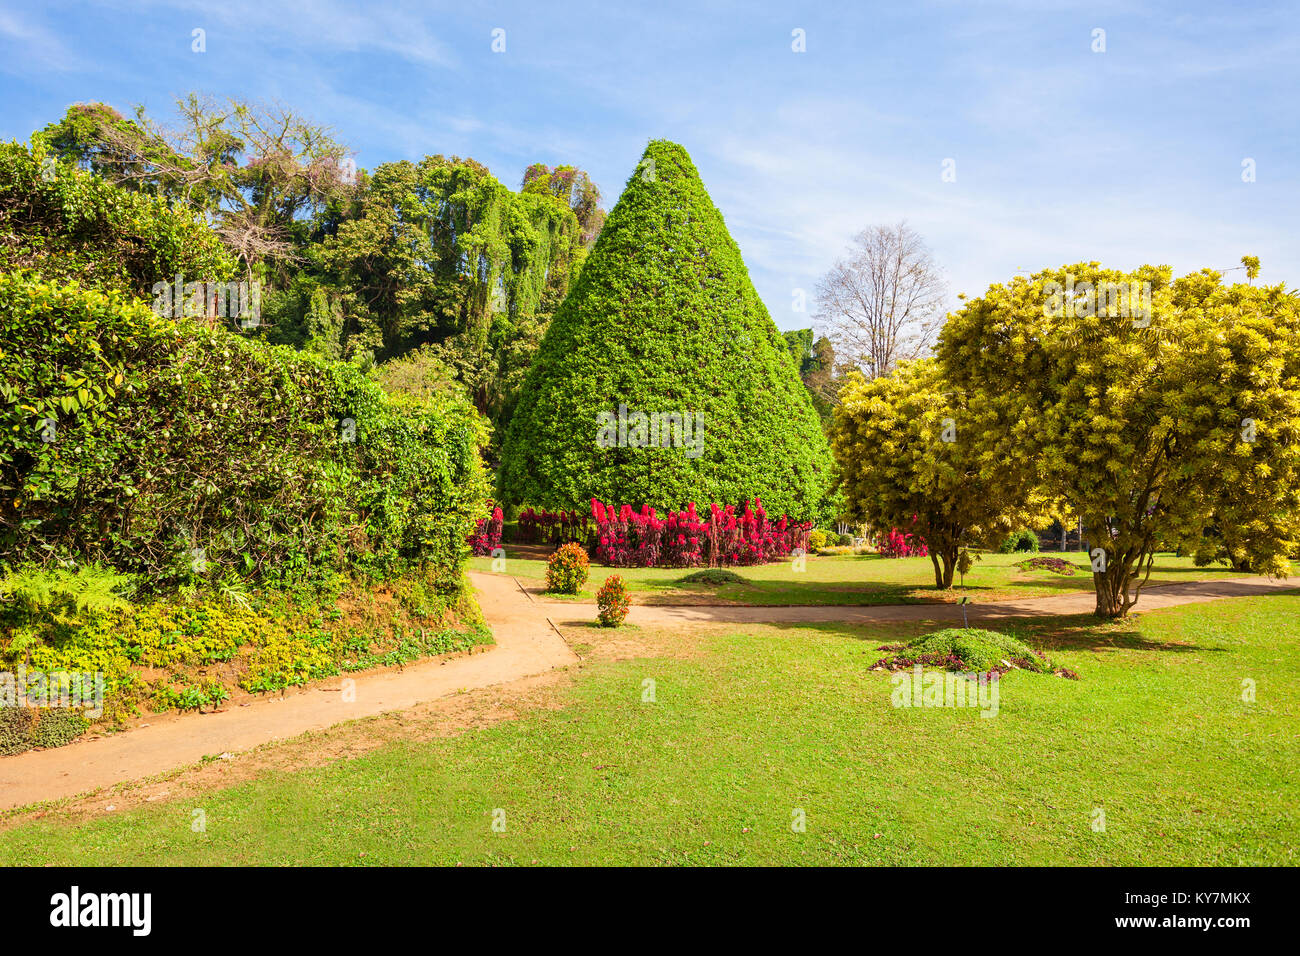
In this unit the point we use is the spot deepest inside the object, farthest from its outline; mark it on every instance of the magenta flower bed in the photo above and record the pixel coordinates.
(686, 539)
(487, 534)
(901, 544)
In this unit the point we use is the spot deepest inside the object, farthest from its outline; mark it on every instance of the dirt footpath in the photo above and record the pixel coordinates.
(525, 645)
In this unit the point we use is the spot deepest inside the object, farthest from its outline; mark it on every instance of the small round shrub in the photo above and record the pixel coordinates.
(567, 569)
(816, 539)
(1022, 540)
(835, 550)
(612, 601)
(714, 576)
(844, 540)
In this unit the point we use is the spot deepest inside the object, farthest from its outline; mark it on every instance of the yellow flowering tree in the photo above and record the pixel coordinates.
(908, 460)
(1159, 411)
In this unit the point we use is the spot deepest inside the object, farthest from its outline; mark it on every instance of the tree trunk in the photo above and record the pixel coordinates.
(1112, 587)
(945, 563)
(949, 566)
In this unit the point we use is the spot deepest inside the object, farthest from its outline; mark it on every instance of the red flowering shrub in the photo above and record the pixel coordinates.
(487, 534)
(686, 539)
(613, 601)
(567, 569)
(902, 544)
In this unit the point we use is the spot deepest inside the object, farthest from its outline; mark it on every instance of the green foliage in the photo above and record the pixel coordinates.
(1153, 422)
(16, 725)
(713, 576)
(1022, 540)
(57, 726)
(70, 224)
(908, 460)
(970, 649)
(612, 602)
(815, 361)
(572, 187)
(265, 177)
(816, 539)
(186, 454)
(22, 728)
(207, 646)
(663, 318)
(441, 252)
(42, 604)
(567, 569)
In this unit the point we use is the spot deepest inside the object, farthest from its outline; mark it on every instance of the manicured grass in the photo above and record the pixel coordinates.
(859, 580)
(759, 723)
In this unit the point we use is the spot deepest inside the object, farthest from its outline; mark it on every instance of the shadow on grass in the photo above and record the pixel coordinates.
(1081, 632)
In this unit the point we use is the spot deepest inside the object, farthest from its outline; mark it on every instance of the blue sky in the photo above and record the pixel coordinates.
(1061, 154)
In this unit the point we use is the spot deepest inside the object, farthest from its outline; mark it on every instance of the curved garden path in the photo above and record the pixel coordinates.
(527, 643)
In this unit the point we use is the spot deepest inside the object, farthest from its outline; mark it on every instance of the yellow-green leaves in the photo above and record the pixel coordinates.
(1131, 414)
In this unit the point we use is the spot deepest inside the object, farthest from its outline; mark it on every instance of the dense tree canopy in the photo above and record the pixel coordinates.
(570, 185)
(436, 255)
(66, 223)
(259, 172)
(664, 321)
(909, 460)
(1148, 406)
(815, 360)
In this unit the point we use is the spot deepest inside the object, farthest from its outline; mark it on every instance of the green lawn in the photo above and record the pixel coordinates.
(865, 579)
(755, 724)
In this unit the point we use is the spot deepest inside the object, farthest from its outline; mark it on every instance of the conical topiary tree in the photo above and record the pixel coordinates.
(664, 321)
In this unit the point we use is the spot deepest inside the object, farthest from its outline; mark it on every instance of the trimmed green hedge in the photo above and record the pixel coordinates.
(135, 440)
(663, 318)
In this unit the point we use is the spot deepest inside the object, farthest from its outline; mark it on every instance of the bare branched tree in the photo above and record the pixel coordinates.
(254, 170)
(883, 301)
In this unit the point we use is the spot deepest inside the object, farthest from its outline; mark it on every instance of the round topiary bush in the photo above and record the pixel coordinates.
(662, 378)
(1022, 540)
(713, 576)
(613, 601)
(816, 539)
(567, 569)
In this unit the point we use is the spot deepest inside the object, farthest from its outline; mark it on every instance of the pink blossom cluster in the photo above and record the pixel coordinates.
(487, 534)
(686, 539)
(900, 544)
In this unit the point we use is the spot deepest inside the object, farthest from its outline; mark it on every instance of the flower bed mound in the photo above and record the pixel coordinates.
(713, 576)
(1054, 565)
(968, 649)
